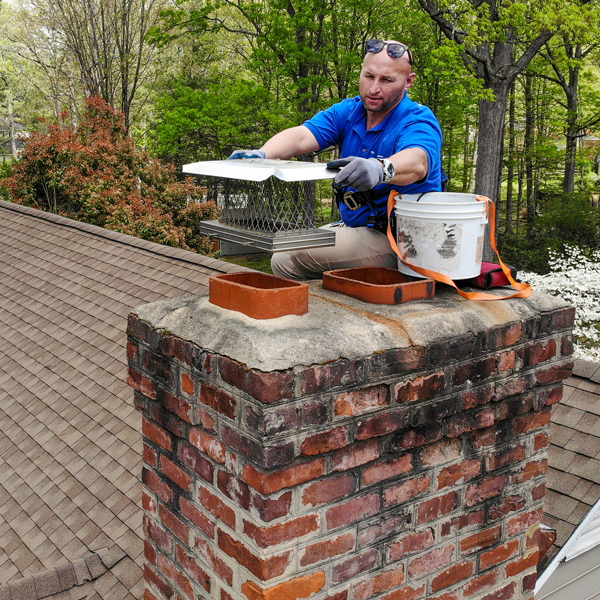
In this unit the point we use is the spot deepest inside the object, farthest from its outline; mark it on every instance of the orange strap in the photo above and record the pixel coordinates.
(524, 289)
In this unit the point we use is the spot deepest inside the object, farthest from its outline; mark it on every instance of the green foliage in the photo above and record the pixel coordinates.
(94, 173)
(6, 169)
(565, 221)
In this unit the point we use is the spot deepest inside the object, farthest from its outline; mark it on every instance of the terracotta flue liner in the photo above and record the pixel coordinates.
(378, 285)
(258, 295)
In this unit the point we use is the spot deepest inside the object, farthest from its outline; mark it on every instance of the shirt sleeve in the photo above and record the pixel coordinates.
(327, 125)
(424, 133)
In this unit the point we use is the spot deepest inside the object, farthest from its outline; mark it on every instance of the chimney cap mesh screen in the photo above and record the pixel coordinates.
(280, 199)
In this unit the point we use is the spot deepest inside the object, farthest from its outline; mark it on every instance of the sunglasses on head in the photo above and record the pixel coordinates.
(393, 49)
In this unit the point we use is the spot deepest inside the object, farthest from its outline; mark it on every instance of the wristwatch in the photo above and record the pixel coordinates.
(389, 171)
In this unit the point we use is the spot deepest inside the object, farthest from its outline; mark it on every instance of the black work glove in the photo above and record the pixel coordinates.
(359, 173)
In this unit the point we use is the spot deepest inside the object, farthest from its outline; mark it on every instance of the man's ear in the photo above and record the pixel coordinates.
(410, 80)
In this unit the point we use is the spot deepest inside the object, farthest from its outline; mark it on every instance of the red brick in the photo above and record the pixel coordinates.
(477, 396)
(217, 507)
(218, 565)
(158, 534)
(539, 492)
(485, 437)
(440, 452)
(481, 583)
(343, 595)
(268, 483)
(434, 508)
(352, 511)
(358, 402)
(132, 350)
(405, 491)
(187, 384)
(502, 336)
(420, 436)
(522, 564)
(506, 457)
(205, 419)
(397, 361)
(488, 488)
(174, 524)
(208, 444)
(458, 348)
(406, 593)
(267, 509)
(149, 456)
(157, 486)
(329, 490)
(269, 387)
(264, 569)
(538, 353)
(175, 404)
(532, 421)
(331, 375)
(513, 386)
(328, 549)
(294, 589)
(197, 517)
(550, 397)
(283, 532)
(506, 593)
(218, 400)
(474, 372)
(471, 421)
(191, 458)
(150, 553)
(176, 575)
(355, 455)
(183, 350)
(461, 522)
(153, 578)
(461, 472)
(149, 504)
(142, 384)
(447, 596)
(157, 434)
(381, 424)
(481, 539)
(387, 469)
(433, 560)
(175, 473)
(529, 582)
(354, 566)
(413, 542)
(499, 554)
(452, 576)
(378, 584)
(232, 372)
(510, 504)
(506, 361)
(532, 469)
(420, 388)
(541, 441)
(196, 572)
(566, 346)
(324, 442)
(387, 526)
(558, 373)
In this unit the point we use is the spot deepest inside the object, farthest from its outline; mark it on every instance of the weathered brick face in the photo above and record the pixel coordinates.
(412, 473)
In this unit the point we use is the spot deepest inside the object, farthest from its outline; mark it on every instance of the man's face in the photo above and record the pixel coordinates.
(384, 80)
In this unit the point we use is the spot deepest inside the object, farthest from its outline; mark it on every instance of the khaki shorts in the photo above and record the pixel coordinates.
(354, 247)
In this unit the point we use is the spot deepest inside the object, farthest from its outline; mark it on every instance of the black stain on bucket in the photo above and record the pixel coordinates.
(405, 239)
(448, 248)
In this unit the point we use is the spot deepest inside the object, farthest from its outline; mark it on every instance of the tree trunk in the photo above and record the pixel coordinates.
(572, 131)
(511, 162)
(11, 125)
(529, 135)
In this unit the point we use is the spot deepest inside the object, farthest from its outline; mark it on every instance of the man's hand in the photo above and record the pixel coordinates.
(360, 173)
(247, 154)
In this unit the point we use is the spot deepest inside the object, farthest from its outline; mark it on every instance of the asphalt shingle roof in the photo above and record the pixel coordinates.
(70, 442)
(574, 454)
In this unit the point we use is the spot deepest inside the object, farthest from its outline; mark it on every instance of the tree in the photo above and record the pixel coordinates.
(94, 173)
(497, 40)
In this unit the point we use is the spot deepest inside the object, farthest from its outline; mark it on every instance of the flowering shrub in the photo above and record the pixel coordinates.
(575, 277)
(94, 173)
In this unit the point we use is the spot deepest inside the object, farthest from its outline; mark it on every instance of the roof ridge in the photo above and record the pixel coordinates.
(45, 584)
(123, 238)
(586, 369)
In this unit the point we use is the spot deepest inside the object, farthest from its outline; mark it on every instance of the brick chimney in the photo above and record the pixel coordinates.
(354, 452)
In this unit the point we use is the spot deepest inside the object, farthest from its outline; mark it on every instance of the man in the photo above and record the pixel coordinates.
(387, 142)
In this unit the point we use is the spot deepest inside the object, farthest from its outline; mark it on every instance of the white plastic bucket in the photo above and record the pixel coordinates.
(441, 231)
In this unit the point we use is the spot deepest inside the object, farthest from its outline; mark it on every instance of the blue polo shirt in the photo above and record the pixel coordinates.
(409, 125)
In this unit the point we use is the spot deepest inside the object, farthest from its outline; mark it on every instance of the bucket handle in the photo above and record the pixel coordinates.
(523, 289)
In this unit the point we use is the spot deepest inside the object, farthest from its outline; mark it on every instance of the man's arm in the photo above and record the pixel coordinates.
(291, 142)
(411, 165)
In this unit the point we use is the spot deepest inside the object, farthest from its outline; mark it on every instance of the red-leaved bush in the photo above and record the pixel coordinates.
(95, 173)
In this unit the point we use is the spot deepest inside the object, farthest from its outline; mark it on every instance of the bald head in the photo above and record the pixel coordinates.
(384, 80)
